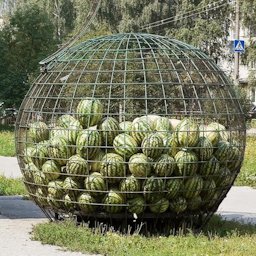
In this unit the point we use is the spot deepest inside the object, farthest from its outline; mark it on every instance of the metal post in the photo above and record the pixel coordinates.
(237, 36)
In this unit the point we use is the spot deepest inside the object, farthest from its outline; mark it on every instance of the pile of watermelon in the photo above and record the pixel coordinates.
(90, 162)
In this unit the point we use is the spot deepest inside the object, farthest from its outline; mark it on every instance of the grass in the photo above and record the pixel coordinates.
(247, 175)
(226, 238)
(9, 186)
(7, 144)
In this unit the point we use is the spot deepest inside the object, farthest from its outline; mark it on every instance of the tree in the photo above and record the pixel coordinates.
(27, 39)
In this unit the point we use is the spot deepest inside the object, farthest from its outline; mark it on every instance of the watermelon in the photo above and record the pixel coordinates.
(71, 187)
(77, 166)
(38, 131)
(159, 206)
(109, 129)
(140, 165)
(113, 202)
(69, 202)
(187, 133)
(125, 145)
(136, 205)
(210, 167)
(95, 184)
(152, 145)
(187, 163)
(195, 203)
(112, 167)
(129, 186)
(208, 191)
(59, 150)
(164, 166)
(89, 112)
(126, 126)
(88, 143)
(54, 202)
(204, 149)
(149, 119)
(41, 197)
(51, 169)
(173, 187)
(162, 125)
(171, 145)
(224, 152)
(178, 204)
(95, 163)
(86, 203)
(223, 177)
(153, 189)
(55, 189)
(140, 129)
(192, 187)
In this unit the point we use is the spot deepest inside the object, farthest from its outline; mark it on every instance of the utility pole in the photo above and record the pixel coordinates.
(237, 37)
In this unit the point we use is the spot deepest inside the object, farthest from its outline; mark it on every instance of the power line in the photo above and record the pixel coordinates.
(181, 16)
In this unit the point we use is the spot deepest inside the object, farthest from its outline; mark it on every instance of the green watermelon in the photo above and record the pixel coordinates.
(153, 188)
(192, 187)
(140, 165)
(140, 129)
(195, 203)
(152, 145)
(112, 167)
(41, 197)
(86, 203)
(77, 166)
(187, 163)
(210, 167)
(136, 205)
(38, 131)
(113, 202)
(178, 204)
(51, 169)
(204, 149)
(223, 177)
(208, 191)
(171, 145)
(164, 166)
(173, 187)
(130, 186)
(69, 202)
(55, 189)
(125, 145)
(89, 112)
(95, 163)
(88, 143)
(159, 206)
(95, 184)
(109, 129)
(187, 133)
(126, 126)
(162, 125)
(71, 187)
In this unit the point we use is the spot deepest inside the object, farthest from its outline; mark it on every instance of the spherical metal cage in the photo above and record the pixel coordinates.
(131, 125)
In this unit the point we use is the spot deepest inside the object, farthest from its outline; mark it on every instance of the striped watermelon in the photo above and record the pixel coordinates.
(187, 133)
(59, 150)
(162, 125)
(235, 159)
(178, 204)
(109, 129)
(41, 197)
(71, 187)
(210, 167)
(95, 163)
(86, 203)
(54, 202)
(171, 144)
(149, 119)
(192, 187)
(113, 202)
(164, 166)
(51, 169)
(89, 112)
(208, 191)
(140, 165)
(129, 186)
(136, 205)
(77, 166)
(66, 121)
(69, 202)
(88, 143)
(223, 177)
(152, 145)
(173, 187)
(125, 145)
(223, 152)
(126, 126)
(55, 188)
(159, 206)
(204, 149)
(38, 131)
(112, 167)
(36, 154)
(195, 203)
(95, 184)
(140, 129)
(187, 163)
(153, 189)
(215, 132)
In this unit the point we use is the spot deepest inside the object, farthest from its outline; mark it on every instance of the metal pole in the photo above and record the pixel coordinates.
(237, 36)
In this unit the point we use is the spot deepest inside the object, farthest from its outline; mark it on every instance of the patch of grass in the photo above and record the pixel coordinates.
(9, 186)
(247, 176)
(7, 142)
(220, 237)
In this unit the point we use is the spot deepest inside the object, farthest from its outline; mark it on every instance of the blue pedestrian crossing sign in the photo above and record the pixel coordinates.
(239, 46)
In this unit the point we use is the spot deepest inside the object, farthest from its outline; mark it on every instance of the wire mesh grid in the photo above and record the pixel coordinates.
(131, 126)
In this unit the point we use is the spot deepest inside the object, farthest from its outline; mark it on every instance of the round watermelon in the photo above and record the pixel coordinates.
(38, 131)
(153, 188)
(178, 204)
(136, 205)
(159, 206)
(140, 165)
(164, 166)
(95, 184)
(51, 169)
(113, 202)
(86, 203)
(77, 166)
(129, 186)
